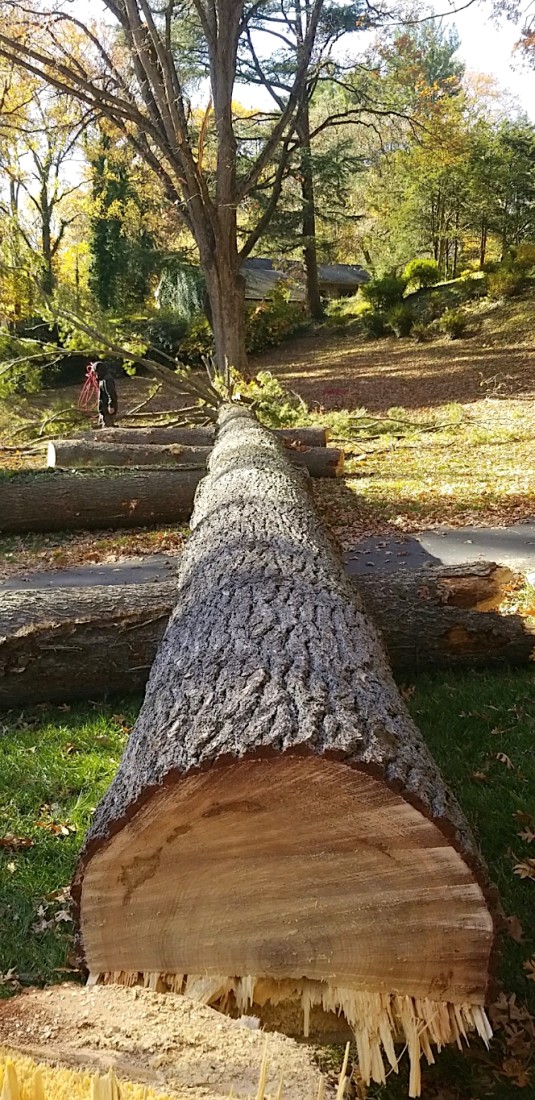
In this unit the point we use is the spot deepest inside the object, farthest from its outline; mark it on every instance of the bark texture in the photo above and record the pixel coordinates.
(277, 826)
(52, 640)
(57, 501)
(199, 437)
(77, 454)
(73, 454)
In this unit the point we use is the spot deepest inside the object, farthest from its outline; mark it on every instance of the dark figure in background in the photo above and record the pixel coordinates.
(107, 396)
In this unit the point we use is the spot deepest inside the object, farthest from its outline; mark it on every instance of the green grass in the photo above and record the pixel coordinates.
(55, 763)
(54, 766)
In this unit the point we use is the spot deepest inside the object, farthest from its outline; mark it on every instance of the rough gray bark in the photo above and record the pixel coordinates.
(52, 640)
(199, 437)
(62, 644)
(75, 454)
(52, 500)
(270, 668)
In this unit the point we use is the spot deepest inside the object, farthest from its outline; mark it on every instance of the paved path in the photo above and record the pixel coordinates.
(513, 546)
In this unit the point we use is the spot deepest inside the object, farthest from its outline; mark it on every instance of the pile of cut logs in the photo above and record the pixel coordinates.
(133, 477)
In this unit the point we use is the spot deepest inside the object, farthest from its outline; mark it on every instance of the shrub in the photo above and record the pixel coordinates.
(197, 343)
(273, 320)
(422, 272)
(374, 324)
(384, 293)
(400, 319)
(420, 332)
(163, 333)
(505, 284)
(453, 323)
(524, 258)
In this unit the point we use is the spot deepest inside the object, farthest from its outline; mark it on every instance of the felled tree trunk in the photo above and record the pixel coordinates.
(52, 640)
(72, 454)
(56, 501)
(277, 828)
(199, 437)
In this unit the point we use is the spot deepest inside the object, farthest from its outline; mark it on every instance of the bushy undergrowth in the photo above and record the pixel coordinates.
(400, 319)
(453, 323)
(267, 323)
(385, 292)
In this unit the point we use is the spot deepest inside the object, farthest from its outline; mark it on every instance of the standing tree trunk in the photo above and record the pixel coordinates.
(277, 828)
(309, 215)
(226, 293)
(483, 241)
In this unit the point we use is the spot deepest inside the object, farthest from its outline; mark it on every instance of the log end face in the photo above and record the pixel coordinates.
(288, 868)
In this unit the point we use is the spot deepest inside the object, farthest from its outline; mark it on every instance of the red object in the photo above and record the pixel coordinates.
(89, 393)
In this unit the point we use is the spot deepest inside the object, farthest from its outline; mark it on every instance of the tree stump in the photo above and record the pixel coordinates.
(277, 829)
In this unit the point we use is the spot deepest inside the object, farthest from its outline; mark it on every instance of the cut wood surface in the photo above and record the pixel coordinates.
(277, 829)
(72, 454)
(167, 1043)
(52, 639)
(55, 500)
(198, 437)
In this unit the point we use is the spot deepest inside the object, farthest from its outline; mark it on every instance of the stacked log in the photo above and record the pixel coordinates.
(57, 501)
(52, 640)
(277, 829)
(198, 437)
(74, 454)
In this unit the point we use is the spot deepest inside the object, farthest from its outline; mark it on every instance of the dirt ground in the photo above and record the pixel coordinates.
(163, 1040)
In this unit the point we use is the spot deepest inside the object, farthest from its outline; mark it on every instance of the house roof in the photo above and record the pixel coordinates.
(343, 275)
(261, 282)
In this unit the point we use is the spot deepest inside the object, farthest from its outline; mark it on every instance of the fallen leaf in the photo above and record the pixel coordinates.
(528, 835)
(515, 929)
(504, 759)
(15, 842)
(525, 869)
(480, 776)
(529, 967)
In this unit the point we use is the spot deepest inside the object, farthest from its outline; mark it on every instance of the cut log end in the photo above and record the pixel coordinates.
(310, 880)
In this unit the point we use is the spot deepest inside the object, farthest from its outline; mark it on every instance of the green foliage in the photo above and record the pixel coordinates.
(400, 319)
(422, 272)
(420, 332)
(273, 320)
(385, 292)
(25, 365)
(274, 406)
(505, 284)
(198, 343)
(267, 323)
(523, 257)
(162, 334)
(453, 323)
(121, 255)
(182, 290)
(374, 323)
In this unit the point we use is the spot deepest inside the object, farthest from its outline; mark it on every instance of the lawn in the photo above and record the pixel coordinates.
(56, 762)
